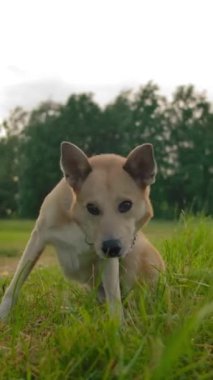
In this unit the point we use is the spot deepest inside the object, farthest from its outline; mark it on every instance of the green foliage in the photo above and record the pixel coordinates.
(48, 126)
(58, 331)
(180, 130)
(192, 149)
(8, 175)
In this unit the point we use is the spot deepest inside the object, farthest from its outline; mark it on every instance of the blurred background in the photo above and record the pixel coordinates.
(107, 76)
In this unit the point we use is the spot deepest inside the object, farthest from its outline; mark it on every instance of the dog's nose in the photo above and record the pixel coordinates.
(111, 248)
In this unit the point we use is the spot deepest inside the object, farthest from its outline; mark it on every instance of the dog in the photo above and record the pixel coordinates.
(93, 218)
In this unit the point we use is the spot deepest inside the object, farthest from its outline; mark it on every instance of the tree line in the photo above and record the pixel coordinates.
(180, 128)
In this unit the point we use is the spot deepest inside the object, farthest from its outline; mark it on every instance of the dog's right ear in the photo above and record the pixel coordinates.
(141, 165)
(74, 164)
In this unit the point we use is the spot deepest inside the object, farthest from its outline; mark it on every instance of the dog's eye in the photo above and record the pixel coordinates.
(93, 209)
(124, 206)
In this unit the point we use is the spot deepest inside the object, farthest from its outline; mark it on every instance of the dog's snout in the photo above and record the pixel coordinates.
(111, 248)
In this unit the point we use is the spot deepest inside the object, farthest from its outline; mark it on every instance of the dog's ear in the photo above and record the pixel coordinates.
(74, 164)
(140, 164)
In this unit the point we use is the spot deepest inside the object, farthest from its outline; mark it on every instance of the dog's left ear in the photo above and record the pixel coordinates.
(74, 164)
(141, 165)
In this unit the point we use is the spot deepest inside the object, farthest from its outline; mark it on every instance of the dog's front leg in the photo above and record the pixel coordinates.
(32, 252)
(111, 284)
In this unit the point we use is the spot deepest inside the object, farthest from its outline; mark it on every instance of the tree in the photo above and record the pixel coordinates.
(117, 123)
(9, 146)
(8, 176)
(191, 147)
(15, 123)
(48, 126)
(181, 131)
(151, 125)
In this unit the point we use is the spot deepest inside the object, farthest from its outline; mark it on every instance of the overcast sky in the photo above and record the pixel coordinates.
(51, 48)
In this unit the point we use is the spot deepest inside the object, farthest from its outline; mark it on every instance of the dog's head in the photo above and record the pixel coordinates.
(112, 195)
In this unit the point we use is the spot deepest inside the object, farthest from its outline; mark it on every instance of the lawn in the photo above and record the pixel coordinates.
(57, 330)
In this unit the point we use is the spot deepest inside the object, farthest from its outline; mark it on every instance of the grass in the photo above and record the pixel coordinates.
(57, 330)
(13, 236)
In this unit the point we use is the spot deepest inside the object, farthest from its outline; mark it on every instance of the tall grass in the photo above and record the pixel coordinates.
(58, 331)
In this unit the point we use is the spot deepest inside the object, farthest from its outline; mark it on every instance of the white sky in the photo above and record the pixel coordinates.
(51, 48)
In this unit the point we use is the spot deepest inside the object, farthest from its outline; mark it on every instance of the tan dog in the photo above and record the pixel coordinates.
(92, 218)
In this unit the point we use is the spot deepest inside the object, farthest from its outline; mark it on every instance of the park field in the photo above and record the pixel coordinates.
(57, 331)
